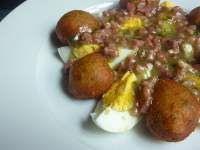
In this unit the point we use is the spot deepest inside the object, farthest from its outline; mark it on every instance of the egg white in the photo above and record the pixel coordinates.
(64, 53)
(123, 54)
(113, 121)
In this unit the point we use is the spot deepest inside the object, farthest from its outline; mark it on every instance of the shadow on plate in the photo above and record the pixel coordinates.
(54, 40)
(142, 132)
(55, 43)
(64, 84)
(91, 128)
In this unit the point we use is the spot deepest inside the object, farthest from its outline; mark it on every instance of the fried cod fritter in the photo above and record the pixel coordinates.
(174, 112)
(90, 76)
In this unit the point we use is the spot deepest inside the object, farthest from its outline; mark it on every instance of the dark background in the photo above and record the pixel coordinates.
(8, 5)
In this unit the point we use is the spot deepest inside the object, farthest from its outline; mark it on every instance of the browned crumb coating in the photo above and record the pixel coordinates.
(174, 113)
(90, 76)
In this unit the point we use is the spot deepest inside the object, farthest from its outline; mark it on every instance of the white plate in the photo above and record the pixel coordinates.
(35, 113)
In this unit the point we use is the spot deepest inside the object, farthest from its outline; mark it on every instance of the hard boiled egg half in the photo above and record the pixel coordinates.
(114, 113)
(71, 53)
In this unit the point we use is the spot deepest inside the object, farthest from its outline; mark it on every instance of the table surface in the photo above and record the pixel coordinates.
(7, 6)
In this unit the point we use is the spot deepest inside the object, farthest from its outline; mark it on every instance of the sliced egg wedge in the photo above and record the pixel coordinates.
(114, 113)
(66, 53)
(113, 121)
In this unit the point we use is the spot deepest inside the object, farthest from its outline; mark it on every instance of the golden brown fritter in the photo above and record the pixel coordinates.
(90, 76)
(74, 22)
(194, 16)
(174, 113)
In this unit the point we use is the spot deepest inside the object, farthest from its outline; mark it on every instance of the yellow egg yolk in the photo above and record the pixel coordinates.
(194, 78)
(83, 50)
(134, 23)
(121, 95)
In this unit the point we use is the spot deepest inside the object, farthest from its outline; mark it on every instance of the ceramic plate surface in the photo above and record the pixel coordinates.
(35, 112)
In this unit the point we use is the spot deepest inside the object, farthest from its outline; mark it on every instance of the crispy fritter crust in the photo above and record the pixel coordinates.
(74, 22)
(90, 76)
(174, 113)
